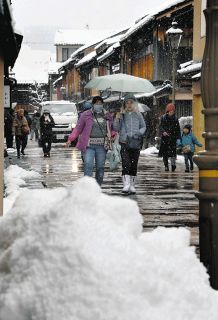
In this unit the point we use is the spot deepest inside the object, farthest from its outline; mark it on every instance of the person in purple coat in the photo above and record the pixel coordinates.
(94, 129)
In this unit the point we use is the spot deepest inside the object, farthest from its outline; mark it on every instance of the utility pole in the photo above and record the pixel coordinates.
(207, 161)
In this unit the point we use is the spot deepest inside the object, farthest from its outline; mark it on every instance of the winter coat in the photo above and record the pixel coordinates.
(189, 140)
(8, 122)
(18, 124)
(171, 126)
(131, 124)
(84, 127)
(46, 127)
(35, 122)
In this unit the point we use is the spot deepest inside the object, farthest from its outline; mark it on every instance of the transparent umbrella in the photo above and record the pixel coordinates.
(121, 83)
(143, 108)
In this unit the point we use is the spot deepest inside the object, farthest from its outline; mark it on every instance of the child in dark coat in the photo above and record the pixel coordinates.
(187, 143)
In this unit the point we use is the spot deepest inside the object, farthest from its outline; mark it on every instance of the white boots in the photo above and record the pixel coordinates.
(129, 184)
(126, 184)
(132, 185)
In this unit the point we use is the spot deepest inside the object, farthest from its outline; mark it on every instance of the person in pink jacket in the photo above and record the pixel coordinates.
(94, 132)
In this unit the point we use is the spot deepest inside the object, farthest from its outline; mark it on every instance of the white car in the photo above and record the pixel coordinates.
(65, 116)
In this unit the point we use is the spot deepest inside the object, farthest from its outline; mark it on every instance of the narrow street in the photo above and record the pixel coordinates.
(164, 199)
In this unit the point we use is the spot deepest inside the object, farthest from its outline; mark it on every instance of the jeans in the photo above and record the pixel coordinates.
(95, 154)
(130, 158)
(21, 142)
(188, 158)
(36, 132)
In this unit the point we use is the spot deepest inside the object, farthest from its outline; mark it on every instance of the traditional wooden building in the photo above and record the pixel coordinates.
(145, 51)
(10, 43)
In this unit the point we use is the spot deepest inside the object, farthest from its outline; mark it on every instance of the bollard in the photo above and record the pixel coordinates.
(207, 161)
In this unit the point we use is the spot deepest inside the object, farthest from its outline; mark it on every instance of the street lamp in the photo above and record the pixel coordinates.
(207, 161)
(174, 36)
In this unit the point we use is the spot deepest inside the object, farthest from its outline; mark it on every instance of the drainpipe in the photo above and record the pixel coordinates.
(207, 161)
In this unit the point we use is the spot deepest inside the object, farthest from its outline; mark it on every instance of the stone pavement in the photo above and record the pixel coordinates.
(165, 199)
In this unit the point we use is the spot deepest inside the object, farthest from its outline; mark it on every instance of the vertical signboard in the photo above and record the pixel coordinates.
(7, 97)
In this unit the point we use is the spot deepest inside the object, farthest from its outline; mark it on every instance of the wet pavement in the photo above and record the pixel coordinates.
(164, 198)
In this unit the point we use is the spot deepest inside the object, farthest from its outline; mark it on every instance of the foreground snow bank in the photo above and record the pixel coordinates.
(77, 254)
(14, 178)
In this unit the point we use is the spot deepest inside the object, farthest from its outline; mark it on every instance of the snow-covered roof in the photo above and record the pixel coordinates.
(197, 76)
(56, 81)
(151, 94)
(90, 44)
(32, 65)
(109, 52)
(109, 41)
(151, 14)
(186, 64)
(89, 57)
(80, 37)
(190, 68)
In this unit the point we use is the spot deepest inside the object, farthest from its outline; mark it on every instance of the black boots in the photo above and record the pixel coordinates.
(173, 168)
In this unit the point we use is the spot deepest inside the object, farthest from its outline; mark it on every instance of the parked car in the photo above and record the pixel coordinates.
(65, 116)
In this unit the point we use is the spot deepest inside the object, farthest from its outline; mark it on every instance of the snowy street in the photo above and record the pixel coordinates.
(164, 199)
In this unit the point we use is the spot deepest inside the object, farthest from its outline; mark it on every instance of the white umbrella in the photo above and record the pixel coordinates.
(121, 83)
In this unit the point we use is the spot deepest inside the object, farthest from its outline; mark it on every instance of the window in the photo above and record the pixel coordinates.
(65, 54)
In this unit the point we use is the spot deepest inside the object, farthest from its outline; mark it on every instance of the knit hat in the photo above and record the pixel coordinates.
(129, 97)
(87, 106)
(170, 107)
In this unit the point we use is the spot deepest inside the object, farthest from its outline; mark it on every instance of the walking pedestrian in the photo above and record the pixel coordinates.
(94, 129)
(187, 143)
(35, 126)
(8, 124)
(46, 125)
(131, 126)
(20, 130)
(170, 133)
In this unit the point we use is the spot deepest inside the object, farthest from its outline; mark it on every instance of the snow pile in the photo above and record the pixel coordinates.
(80, 255)
(14, 178)
(149, 151)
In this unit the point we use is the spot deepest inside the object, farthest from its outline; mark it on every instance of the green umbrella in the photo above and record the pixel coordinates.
(121, 83)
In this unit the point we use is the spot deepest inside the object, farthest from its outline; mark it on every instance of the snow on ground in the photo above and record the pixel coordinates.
(78, 254)
(14, 178)
(149, 151)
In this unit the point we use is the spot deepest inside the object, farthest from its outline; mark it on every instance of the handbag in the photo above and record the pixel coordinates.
(133, 143)
(25, 130)
(186, 149)
(107, 140)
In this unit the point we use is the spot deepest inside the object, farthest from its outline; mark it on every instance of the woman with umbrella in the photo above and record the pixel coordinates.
(170, 132)
(131, 126)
